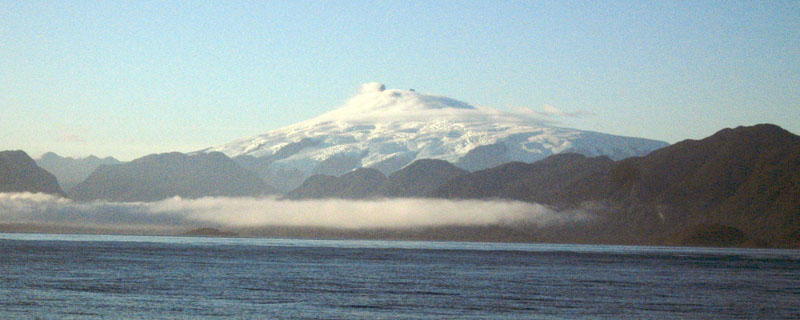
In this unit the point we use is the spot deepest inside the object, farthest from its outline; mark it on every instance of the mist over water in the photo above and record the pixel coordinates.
(269, 212)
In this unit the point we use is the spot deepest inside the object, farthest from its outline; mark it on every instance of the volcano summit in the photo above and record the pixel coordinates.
(387, 129)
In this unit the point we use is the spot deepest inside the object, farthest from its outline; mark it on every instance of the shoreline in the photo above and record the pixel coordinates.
(500, 235)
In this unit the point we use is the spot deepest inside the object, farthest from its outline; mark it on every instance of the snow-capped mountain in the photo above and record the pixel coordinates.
(388, 128)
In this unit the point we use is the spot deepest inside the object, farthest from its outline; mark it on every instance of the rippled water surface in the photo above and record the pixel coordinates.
(77, 276)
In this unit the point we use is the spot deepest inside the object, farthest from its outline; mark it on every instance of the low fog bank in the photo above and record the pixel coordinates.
(270, 216)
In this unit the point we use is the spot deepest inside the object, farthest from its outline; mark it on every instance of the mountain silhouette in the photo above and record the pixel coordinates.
(165, 175)
(19, 173)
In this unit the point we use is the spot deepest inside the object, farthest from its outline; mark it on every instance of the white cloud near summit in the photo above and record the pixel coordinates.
(376, 103)
(372, 87)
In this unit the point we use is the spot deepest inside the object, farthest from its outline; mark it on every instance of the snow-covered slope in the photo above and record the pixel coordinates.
(388, 129)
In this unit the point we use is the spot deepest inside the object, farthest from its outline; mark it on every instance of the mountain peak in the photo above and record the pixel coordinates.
(50, 155)
(753, 135)
(766, 130)
(19, 173)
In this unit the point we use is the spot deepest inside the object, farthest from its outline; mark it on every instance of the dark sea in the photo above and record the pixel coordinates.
(84, 276)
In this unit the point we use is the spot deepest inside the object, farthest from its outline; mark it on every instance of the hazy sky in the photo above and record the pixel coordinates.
(131, 78)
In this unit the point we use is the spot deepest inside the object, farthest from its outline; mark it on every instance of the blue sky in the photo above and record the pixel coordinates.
(128, 79)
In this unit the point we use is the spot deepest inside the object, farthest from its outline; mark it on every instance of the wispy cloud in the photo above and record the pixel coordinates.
(71, 134)
(70, 137)
(375, 102)
(552, 111)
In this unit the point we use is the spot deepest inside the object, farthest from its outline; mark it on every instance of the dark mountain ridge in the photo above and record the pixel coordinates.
(361, 183)
(415, 180)
(747, 178)
(420, 178)
(19, 173)
(160, 176)
(71, 171)
(558, 180)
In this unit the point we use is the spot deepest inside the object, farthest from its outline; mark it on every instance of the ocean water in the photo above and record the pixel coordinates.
(81, 276)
